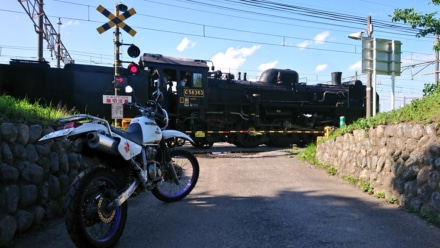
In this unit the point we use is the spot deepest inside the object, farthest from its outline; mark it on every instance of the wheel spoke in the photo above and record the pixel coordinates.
(187, 170)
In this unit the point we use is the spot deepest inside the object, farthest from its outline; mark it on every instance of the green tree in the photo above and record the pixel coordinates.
(426, 23)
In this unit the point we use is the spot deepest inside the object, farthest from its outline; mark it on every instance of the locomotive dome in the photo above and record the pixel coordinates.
(279, 76)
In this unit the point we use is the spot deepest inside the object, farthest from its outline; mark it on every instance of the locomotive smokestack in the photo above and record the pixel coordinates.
(336, 78)
(244, 76)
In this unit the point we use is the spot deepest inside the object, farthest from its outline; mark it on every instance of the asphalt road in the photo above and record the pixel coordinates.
(264, 199)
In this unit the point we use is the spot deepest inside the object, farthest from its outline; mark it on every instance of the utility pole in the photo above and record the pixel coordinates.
(40, 31)
(436, 60)
(368, 97)
(58, 53)
(45, 31)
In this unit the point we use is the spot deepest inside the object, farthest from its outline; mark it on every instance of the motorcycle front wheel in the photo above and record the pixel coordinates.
(187, 171)
(90, 221)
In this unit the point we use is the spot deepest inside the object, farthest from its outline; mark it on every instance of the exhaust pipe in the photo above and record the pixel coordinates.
(102, 143)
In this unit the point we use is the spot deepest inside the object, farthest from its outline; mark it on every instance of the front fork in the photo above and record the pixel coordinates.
(168, 162)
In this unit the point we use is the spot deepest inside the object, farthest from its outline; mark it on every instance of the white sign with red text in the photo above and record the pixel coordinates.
(117, 104)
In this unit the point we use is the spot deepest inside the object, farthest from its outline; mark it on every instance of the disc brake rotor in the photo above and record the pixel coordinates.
(104, 215)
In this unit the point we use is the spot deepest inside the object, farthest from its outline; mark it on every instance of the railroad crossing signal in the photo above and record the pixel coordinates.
(117, 21)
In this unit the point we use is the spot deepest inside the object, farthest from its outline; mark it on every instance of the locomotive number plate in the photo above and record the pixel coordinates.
(194, 93)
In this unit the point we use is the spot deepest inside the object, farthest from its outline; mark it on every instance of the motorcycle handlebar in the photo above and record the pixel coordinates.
(153, 109)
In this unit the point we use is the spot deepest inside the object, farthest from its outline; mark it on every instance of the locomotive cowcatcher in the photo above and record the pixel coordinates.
(277, 110)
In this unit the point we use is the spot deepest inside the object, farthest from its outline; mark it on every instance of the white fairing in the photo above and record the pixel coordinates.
(167, 134)
(151, 132)
(128, 149)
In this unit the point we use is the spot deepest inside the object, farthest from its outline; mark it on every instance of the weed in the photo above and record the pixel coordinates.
(332, 170)
(366, 187)
(380, 195)
(431, 216)
(351, 180)
(308, 154)
(391, 200)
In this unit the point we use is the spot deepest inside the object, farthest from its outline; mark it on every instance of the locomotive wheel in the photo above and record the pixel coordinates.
(307, 139)
(204, 144)
(281, 139)
(248, 140)
(173, 142)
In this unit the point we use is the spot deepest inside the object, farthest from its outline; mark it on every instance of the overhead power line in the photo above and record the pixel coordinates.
(262, 5)
(327, 17)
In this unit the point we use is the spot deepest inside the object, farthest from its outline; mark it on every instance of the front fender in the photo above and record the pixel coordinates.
(168, 134)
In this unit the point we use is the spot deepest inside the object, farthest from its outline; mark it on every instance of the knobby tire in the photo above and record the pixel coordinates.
(83, 217)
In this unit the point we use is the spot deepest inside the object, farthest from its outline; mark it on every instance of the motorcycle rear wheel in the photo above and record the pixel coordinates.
(88, 221)
(187, 170)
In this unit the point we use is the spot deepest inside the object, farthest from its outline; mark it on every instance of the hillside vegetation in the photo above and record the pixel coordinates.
(23, 111)
(424, 111)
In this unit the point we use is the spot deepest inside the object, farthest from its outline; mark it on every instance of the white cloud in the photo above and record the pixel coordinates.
(233, 58)
(321, 67)
(321, 37)
(318, 39)
(269, 65)
(70, 23)
(356, 66)
(303, 44)
(185, 44)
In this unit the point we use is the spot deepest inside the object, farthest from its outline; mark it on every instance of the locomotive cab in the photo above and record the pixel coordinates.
(184, 82)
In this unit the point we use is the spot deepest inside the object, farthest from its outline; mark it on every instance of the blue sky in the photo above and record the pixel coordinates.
(236, 37)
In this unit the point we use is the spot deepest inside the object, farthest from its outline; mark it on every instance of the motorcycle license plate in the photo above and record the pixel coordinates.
(56, 134)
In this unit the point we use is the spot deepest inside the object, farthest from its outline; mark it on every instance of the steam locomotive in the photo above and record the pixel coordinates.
(277, 110)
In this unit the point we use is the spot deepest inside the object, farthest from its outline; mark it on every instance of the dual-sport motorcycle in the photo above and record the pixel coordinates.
(126, 163)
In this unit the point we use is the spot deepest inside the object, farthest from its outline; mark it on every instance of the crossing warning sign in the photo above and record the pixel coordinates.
(116, 20)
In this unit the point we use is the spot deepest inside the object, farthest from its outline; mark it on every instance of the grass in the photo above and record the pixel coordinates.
(23, 111)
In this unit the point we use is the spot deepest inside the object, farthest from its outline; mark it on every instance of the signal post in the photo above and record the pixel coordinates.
(117, 21)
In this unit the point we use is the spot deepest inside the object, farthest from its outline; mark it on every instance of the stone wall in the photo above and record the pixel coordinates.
(401, 162)
(34, 177)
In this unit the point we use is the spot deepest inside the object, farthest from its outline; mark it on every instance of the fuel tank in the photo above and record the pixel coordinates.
(145, 128)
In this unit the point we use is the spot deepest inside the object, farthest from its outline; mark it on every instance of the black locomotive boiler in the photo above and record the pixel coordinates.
(277, 110)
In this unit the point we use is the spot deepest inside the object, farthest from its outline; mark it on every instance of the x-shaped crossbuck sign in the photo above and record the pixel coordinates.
(116, 20)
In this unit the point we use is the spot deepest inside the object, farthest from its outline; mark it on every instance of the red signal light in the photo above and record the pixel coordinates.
(133, 68)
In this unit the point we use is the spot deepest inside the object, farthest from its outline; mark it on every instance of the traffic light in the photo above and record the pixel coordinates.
(133, 68)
